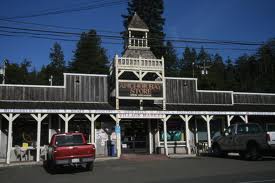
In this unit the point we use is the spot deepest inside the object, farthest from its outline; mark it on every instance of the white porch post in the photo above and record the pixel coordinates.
(92, 118)
(229, 118)
(196, 131)
(50, 128)
(186, 119)
(165, 119)
(66, 118)
(0, 131)
(244, 118)
(208, 118)
(10, 119)
(150, 137)
(39, 118)
(118, 134)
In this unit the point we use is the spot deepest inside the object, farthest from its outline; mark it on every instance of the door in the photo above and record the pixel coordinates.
(134, 136)
(227, 142)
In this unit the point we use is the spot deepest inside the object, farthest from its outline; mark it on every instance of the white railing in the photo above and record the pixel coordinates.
(139, 63)
(137, 42)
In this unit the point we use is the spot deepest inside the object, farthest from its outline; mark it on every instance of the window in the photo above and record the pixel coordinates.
(248, 129)
(68, 140)
(229, 130)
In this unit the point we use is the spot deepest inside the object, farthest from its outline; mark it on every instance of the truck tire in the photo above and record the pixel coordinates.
(252, 152)
(217, 152)
(90, 166)
(51, 167)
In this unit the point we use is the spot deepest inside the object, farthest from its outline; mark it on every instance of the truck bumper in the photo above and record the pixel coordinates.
(74, 161)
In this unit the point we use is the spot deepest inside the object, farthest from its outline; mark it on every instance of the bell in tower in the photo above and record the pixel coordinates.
(137, 33)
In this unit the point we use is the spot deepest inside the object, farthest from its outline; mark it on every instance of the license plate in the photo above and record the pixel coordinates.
(75, 160)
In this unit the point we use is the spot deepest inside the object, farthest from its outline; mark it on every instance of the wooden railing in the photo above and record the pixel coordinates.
(137, 42)
(139, 63)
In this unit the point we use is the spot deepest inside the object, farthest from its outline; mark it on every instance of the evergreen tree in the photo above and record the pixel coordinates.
(217, 73)
(89, 56)
(171, 60)
(56, 67)
(187, 66)
(150, 11)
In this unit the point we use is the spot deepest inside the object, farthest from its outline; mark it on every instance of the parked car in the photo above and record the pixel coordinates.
(270, 130)
(70, 149)
(249, 140)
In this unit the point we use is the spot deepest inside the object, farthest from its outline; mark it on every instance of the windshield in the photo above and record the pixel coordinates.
(68, 140)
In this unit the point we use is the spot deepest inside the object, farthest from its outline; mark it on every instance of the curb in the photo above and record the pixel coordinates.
(185, 156)
(4, 165)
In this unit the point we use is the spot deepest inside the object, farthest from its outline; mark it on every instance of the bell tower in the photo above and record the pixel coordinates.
(138, 76)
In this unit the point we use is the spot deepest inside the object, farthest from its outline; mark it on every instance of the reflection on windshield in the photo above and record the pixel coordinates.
(68, 140)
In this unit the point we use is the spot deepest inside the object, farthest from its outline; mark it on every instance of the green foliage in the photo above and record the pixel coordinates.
(170, 60)
(55, 68)
(89, 56)
(150, 11)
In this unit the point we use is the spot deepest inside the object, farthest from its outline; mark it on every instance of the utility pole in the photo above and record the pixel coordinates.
(193, 67)
(51, 80)
(3, 71)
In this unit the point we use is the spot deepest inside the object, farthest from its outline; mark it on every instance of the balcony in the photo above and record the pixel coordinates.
(139, 63)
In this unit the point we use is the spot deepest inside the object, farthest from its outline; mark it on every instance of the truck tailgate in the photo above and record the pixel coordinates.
(69, 152)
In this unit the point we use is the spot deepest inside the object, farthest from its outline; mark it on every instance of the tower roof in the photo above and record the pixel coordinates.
(137, 23)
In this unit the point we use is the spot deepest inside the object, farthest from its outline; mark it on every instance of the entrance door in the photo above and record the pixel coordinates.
(134, 136)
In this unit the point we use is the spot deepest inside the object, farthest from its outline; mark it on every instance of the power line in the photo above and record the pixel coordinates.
(116, 43)
(84, 8)
(121, 37)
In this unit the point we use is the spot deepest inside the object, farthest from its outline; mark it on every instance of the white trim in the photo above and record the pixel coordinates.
(138, 29)
(244, 93)
(142, 98)
(200, 104)
(80, 74)
(178, 78)
(79, 111)
(214, 91)
(254, 103)
(35, 86)
(139, 81)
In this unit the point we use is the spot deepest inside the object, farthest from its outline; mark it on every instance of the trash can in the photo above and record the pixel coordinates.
(111, 148)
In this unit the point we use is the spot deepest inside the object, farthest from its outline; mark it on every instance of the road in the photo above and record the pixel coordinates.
(200, 169)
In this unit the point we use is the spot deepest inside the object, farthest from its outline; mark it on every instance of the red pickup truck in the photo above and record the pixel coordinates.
(70, 149)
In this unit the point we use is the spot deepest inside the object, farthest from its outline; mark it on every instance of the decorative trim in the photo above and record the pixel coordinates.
(244, 93)
(79, 74)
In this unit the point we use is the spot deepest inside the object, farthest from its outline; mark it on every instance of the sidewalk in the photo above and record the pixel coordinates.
(30, 163)
(182, 156)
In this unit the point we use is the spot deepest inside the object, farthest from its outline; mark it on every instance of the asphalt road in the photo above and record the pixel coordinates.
(202, 169)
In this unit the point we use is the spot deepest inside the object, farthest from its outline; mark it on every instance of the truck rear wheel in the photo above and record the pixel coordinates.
(217, 151)
(252, 153)
(90, 166)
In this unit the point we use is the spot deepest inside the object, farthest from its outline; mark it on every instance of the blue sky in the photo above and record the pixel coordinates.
(241, 20)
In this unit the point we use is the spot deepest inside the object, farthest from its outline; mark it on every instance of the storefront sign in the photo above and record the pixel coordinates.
(141, 115)
(140, 89)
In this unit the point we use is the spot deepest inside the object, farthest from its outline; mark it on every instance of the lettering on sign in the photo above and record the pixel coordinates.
(139, 89)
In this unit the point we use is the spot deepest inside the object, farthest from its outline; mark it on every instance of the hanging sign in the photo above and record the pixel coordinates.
(140, 89)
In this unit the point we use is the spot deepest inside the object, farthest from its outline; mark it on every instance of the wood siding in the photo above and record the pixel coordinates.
(86, 88)
(78, 88)
(254, 99)
(180, 91)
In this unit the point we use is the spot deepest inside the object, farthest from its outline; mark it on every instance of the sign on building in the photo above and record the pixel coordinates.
(140, 89)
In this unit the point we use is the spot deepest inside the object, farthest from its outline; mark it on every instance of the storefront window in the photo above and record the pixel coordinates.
(174, 131)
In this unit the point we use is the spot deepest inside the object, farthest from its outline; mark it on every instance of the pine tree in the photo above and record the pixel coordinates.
(56, 67)
(150, 11)
(171, 61)
(188, 60)
(89, 56)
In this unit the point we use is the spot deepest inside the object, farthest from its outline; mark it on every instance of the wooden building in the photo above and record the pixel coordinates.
(135, 106)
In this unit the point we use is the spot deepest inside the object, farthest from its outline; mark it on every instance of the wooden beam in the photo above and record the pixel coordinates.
(11, 117)
(186, 119)
(66, 118)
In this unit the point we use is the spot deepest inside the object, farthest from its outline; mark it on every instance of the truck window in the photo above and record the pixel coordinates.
(68, 140)
(270, 127)
(248, 129)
